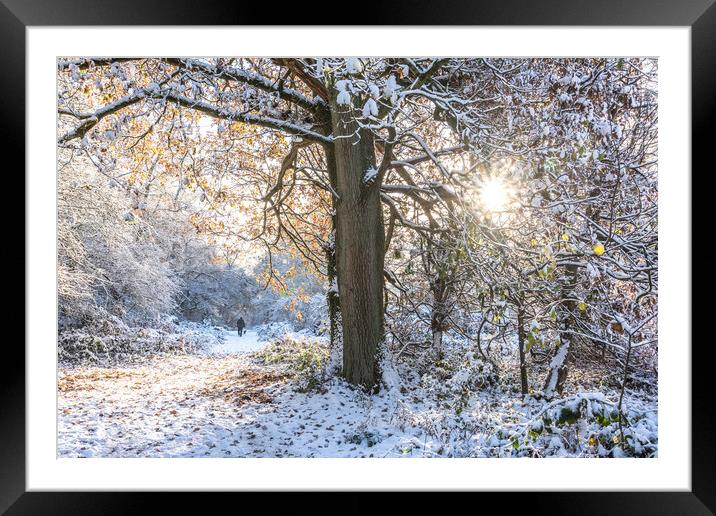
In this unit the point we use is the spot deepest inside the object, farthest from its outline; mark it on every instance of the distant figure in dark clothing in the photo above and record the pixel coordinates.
(241, 325)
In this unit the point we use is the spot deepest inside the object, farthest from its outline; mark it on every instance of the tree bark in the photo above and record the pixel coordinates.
(439, 314)
(521, 343)
(438, 270)
(558, 367)
(333, 295)
(359, 247)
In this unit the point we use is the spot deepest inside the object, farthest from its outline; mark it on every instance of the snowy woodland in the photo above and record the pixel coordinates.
(434, 257)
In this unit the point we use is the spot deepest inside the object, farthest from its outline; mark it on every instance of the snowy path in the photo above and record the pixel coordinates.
(233, 344)
(224, 403)
(228, 402)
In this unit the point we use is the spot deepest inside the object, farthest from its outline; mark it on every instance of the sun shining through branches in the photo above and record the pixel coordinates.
(439, 257)
(494, 194)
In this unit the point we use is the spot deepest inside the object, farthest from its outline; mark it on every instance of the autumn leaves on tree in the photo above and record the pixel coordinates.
(359, 165)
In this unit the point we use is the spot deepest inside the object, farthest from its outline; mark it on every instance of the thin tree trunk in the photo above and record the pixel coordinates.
(360, 243)
(621, 392)
(438, 318)
(521, 343)
(438, 341)
(437, 270)
(558, 366)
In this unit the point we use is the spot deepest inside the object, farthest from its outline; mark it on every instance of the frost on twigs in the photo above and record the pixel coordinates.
(502, 213)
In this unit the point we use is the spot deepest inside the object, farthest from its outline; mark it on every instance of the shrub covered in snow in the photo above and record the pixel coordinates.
(273, 331)
(311, 372)
(110, 341)
(453, 377)
(303, 358)
(585, 425)
(315, 315)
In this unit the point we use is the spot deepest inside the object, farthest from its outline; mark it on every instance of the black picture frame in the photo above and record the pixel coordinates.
(700, 15)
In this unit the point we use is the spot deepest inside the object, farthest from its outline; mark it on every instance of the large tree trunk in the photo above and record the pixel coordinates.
(359, 244)
(332, 297)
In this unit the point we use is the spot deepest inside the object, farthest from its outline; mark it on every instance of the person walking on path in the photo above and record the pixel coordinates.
(240, 326)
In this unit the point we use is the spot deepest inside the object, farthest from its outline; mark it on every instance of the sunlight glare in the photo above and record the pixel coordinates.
(494, 194)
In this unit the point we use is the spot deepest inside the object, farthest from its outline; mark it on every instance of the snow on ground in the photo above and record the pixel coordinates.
(229, 403)
(232, 343)
(219, 406)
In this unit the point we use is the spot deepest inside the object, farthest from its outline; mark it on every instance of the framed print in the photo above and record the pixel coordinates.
(439, 249)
